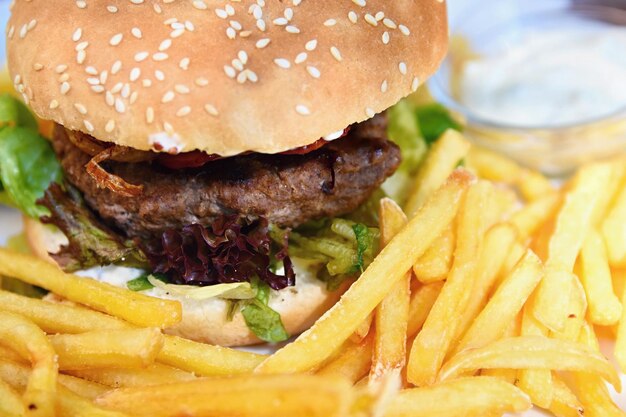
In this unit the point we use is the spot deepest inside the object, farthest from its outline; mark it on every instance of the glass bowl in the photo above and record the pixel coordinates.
(490, 29)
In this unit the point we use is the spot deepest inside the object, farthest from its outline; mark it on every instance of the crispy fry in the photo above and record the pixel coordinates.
(130, 306)
(604, 307)
(576, 310)
(496, 247)
(504, 305)
(564, 402)
(52, 319)
(156, 374)
(532, 352)
(437, 335)
(255, 396)
(537, 383)
(493, 166)
(441, 161)
(134, 348)
(354, 361)
(435, 264)
(533, 185)
(392, 315)
(572, 225)
(620, 339)
(614, 231)
(475, 396)
(315, 345)
(363, 330)
(533, 216)
(31, 343)
(11, 404)
(590, 388)
(422, 301)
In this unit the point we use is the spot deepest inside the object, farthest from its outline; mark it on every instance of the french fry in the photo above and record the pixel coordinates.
(254, 396)
(392, 315)
(611, 191)
(52, 319)
(620, 338)
(504, 305)
(435, 264)
(531, 217)
(532, 352)
(437, 335)
(564, 402)
(495, 249)
(363, 330)
(493, 166)
(537, 383)
(614, 231)
(11, 404)
(354, 361)
(605, 308)
(533, 185)
(31, 343)
(590, 388)
(128, 305)
(86, 389)
(440, 162)
(422, 301)
(315, 345)
(576, 311)
(68, 402)
(572, 225)
(155, 374)
(207, 360)
(475, 396)
(199, 358)
(134, 348)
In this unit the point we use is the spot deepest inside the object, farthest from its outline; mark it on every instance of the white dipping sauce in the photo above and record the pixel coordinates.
(549, 79)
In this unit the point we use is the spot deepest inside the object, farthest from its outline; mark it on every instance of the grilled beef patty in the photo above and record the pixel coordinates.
(287, 189)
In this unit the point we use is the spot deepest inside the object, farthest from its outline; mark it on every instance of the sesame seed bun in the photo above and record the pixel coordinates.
(221, 77)
(206, 320)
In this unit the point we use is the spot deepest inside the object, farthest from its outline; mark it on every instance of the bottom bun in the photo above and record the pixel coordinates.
(206, 320)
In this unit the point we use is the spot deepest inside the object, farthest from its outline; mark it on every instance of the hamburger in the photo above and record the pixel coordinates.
(200, 141)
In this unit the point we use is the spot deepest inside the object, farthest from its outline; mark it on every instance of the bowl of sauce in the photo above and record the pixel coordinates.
(543, 82)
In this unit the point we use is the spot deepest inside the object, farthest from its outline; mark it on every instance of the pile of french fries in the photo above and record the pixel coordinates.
(485, 299)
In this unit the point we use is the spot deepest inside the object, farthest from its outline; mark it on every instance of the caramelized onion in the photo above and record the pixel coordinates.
(93, 147)
(105, 179)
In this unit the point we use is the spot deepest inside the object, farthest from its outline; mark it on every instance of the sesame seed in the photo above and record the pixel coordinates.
(78, 33)
(251, 75)
(384, 87)
(97, 89)
(146, 82)
(110, 126)
(104, 75)
(109, 99)
(335, 53)
(361, 3)
(65, 88)
(281, 21)
(202, 82)
(330, 22)
(64, 77)
(116, 39)
(37, 66)
(221, 13)
(288, 13)
(183, 111)
(262, 43)
(242, 77)
(371, 19)
(91, 70)
(159, 75)
(313, 71)
(117, 88)
(82, 45)
(386, 38)
(380, 16)
(235, 25)
(260, 24)
(301, 57)
(292, 29)
(81, 4)
(189, 26)
(184, 64)
(283, 63)
(81, 56)
(243, 57)
(353, 17)
(389, 23)
(402, 67)
(303, 110)
(415, 85)
(230, 71)
(112, 9)
(149, 115)
(182, 89)
(311, 45)
(141, 56)
(168, 97)
(230, 10)
(209, 108)
(54, 104)
(370, 112)
(116, 67)
(135, 73)
(405, 30)
(160, 56)
(120, 107)
(136, 32)
(200, 5)
(231, 33)
(80, 108)
(165, 45)
(60, 69)
(88, 125)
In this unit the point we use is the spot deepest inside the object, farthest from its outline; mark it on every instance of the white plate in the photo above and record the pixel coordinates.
(11, 224)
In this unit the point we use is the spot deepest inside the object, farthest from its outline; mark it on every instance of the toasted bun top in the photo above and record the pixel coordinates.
(223, 77)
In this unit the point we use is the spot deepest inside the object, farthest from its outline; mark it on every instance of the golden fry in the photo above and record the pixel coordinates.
(437, 335)
(604, 307)
(614, 231)
(128, 305)
(533, 185)
(440, 162)
(564, 402)
(315, 345)
(392, 315)
(422, 301)
(254, 396)
(363, 330)
(476, 396)
(155, 374)
(435, 264)
(532, 352)
(571, 228)
(533, 216)
(135, 348)
(11, 404)
(31, 343)
(505, 304)
(493, 166)
(354, 361)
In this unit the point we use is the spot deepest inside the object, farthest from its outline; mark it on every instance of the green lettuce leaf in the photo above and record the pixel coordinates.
(264, 322)
(404, 130)
(434, 119)
(90, 242)
(27, 163)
